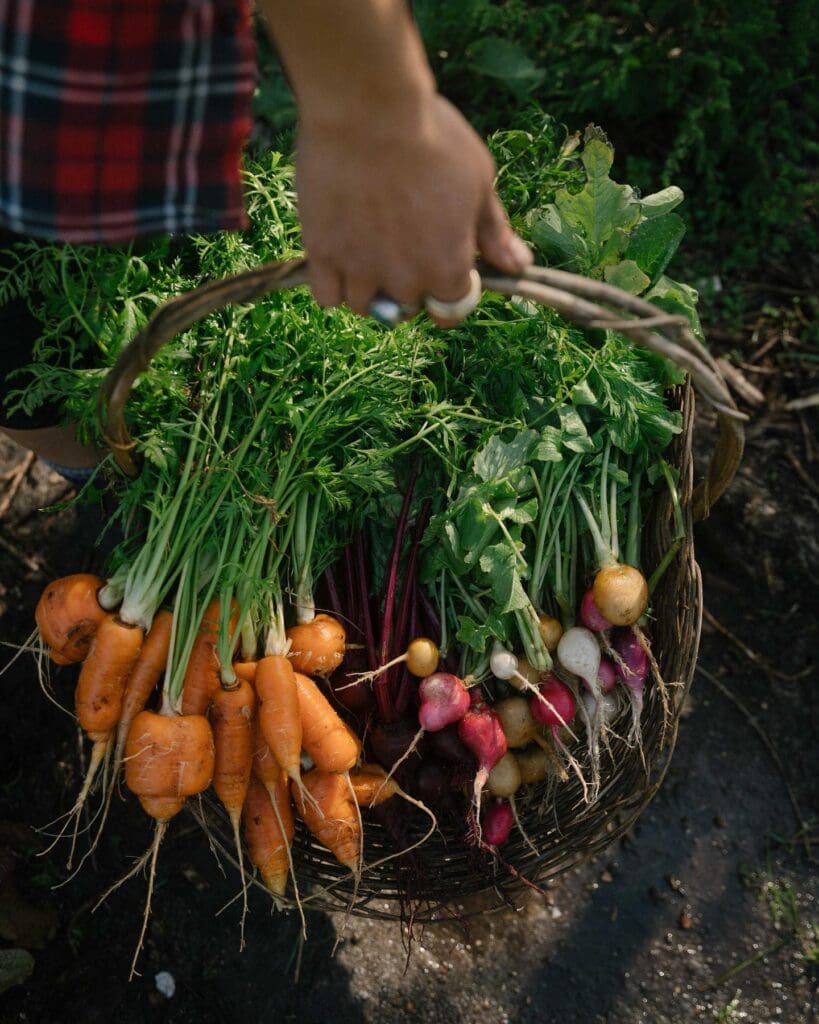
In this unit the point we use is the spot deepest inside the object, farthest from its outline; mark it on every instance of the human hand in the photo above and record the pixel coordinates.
(399, 200)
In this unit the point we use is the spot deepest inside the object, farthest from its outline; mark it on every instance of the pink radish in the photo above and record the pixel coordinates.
(481, 731)
(632, 669)
(444, 701)
(590, 615)
(607, 675)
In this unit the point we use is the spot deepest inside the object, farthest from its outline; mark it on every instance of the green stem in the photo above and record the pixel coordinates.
(605, 522)
(632, 553)
(603, 552)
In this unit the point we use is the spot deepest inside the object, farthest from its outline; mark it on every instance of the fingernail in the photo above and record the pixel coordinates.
(520, 252)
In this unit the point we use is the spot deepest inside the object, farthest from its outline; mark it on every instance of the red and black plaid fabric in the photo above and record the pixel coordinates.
(121, 118)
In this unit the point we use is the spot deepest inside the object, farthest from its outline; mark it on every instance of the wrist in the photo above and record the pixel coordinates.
(352, 59)
(369, 100)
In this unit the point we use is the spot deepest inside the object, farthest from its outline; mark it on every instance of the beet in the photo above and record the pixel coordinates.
(447, 745)
(389, 741)
(432, 783)
(357, 698)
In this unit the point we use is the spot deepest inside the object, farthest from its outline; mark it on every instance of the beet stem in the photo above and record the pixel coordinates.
(364, 598)
(332, 591)
(382, 691)
(404, 625)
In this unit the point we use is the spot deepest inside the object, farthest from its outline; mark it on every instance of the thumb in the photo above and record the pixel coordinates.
(497, 242)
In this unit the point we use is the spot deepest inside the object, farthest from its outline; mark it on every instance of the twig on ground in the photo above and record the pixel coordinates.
(772, 752)
(31, 562)
(16, 475)
(801, 472)
(745, 964)
(752, 655)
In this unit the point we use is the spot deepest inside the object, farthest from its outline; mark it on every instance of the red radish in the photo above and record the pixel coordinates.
(632, 669)
(558, 705)
(495, 830)
(444, 701)
(555, 709)
(497, 822)
(481, 731)
(590, 615)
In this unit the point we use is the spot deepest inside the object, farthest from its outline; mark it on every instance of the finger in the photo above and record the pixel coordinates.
(498, 243)
(359, 292)
(325, 284)
(450, 286)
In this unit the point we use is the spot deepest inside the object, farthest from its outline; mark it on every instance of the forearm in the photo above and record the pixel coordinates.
(350, 57)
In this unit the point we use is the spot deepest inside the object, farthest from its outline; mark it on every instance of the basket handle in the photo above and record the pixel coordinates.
(589, 303)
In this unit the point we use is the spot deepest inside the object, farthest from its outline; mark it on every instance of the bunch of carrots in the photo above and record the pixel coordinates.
(246, 740)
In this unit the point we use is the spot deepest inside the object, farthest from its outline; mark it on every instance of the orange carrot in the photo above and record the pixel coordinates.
(372, 786)
(167, 759)
(328, 740)
(231, 717)
(245, 670)
(68, 615)
(269, 828)
(202, 675)
(59, 659)
(105, 671)
(265, 766)
(146, 673)
(332, 816)
(279, 712)
(113, 653)
(114, 650)
(317, 647)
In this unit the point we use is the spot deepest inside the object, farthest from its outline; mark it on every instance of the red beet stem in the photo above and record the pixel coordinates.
(332, 591)
(362, 575)
(383, 695)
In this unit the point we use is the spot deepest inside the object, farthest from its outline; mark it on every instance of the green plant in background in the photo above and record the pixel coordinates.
(720, 97)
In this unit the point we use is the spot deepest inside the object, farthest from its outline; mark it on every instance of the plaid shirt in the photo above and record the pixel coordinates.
(121, 118)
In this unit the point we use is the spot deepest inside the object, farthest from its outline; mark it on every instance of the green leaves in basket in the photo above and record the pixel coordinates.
(608, 232)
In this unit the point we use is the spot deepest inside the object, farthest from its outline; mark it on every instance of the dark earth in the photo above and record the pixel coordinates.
(706, 911)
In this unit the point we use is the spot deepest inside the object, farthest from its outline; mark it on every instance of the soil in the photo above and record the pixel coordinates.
(705, 911)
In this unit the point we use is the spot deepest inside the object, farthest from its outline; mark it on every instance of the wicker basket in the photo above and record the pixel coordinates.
(564, 829)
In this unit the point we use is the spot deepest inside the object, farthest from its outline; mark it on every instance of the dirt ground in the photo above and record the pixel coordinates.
(706, 911)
